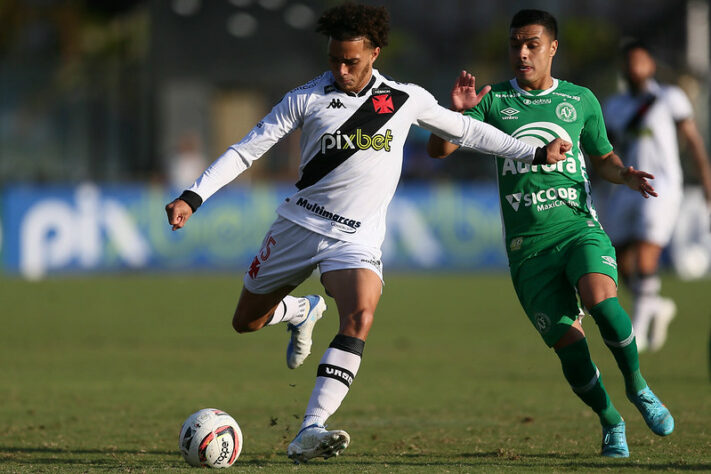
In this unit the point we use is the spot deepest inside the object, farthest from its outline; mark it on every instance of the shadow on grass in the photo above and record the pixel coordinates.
(110, 457)
(80, 457)
(566, 460)
(26, 449)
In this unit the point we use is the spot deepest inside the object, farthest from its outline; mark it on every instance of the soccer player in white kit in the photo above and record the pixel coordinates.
(643, 123)
(354, 122)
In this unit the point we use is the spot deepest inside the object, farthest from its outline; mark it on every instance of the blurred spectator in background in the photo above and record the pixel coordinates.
(188, 162)
(643, 123)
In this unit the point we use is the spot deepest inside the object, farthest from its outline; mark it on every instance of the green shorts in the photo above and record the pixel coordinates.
(546, 284)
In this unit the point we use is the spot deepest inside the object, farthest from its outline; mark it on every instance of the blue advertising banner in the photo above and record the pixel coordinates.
(47, 230)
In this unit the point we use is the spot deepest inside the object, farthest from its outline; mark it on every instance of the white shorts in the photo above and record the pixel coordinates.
(290, 253)
(628, 216)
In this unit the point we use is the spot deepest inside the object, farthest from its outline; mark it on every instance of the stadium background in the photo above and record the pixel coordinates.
(108, 109)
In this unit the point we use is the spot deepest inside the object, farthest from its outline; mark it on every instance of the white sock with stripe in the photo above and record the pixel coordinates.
(290, 310)
(336, 371)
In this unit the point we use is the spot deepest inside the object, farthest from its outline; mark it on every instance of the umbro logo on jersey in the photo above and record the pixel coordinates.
(509, 113)
(335, 104)
(609, 261)
(514, 200)
(383, 104)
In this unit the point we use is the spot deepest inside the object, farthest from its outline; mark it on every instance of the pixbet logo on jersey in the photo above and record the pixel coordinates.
(356, 141)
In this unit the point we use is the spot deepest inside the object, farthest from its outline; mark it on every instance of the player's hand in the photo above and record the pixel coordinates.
(637, 180)
(556, 150)
(464, 94)
(178, 213)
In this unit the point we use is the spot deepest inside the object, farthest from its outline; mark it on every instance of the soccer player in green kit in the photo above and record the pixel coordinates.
(554, 241)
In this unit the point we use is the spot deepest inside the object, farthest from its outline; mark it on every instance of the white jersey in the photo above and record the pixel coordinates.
(351, 151)
(644, 127)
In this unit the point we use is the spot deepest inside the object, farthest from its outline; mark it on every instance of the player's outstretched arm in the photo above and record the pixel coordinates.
(610, 167)
(468, 132)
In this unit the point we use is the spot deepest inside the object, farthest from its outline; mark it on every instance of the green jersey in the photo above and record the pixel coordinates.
(541, 204)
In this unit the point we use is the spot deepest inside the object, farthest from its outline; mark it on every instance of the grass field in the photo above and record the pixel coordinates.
(97, 375)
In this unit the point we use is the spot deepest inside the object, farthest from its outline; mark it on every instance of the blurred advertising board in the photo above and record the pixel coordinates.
(88, 228)
(47, 230)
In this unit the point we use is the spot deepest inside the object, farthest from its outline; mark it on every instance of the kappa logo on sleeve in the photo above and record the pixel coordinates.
(383, 104)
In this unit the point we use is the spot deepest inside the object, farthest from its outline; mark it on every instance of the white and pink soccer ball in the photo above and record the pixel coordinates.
(210, 438)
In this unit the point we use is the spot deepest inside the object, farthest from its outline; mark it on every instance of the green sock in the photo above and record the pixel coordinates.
(586, 382)
(616, 330)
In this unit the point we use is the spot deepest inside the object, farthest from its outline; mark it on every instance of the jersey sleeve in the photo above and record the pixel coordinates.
(679, 104)
(467, 132)
(285, 117)
(593, 137)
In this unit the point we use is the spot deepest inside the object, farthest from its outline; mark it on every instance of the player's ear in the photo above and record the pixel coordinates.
(375, 53)
(554, 47)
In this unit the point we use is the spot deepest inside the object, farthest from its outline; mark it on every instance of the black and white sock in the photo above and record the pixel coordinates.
(290, 310)
(336, 371)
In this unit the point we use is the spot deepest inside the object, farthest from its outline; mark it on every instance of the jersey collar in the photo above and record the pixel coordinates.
(514, 84)
(334, 87)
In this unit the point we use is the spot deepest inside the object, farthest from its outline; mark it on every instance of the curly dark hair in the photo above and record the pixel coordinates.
(350, 20)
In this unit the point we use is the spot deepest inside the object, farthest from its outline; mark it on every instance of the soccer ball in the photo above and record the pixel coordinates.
(210, 438)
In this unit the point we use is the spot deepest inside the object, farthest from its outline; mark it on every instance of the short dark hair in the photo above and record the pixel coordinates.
(349, 21)
(535, 17)
(634, 43)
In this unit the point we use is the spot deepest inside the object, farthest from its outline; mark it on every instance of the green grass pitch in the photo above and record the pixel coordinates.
(97, 374)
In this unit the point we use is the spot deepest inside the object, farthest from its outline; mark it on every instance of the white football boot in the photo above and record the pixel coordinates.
(315, 441)
(660, 323)
(299, 346)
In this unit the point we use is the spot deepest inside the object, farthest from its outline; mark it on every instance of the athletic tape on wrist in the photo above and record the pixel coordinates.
(540, 157)
(193, 199)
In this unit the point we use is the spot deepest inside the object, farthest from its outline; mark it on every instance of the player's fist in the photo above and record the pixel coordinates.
(178, 213)
(556, 150)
